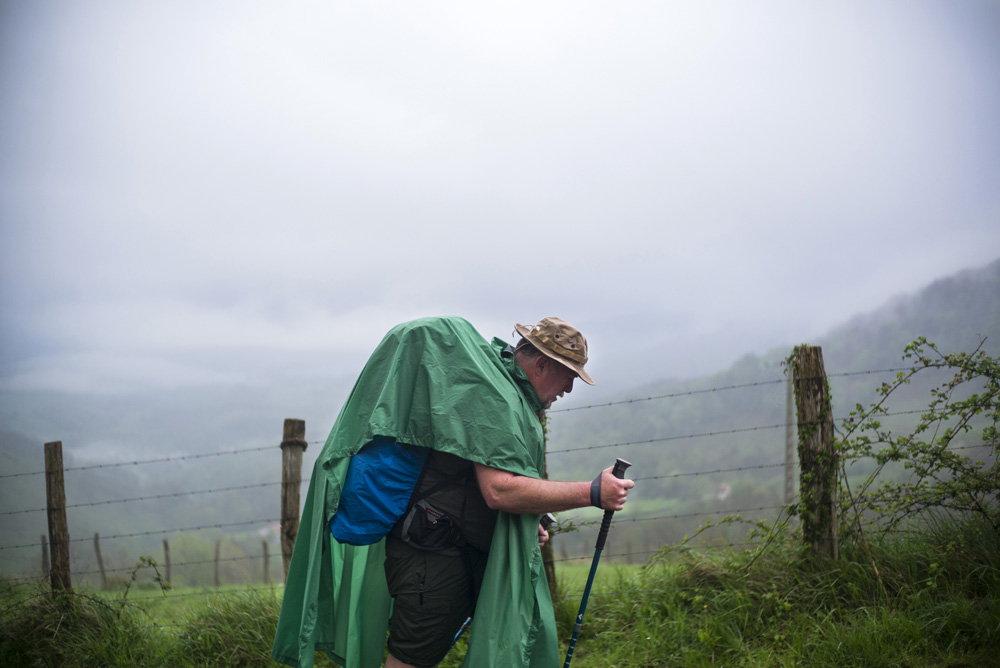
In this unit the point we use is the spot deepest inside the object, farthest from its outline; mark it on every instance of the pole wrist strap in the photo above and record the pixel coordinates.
(595, 491)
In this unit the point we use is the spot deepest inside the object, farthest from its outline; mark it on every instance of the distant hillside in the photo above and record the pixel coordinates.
(956, 313)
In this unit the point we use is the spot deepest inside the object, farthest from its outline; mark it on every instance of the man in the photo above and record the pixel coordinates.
(435, 383)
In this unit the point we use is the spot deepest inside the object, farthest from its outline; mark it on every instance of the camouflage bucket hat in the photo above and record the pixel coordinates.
(556, 338)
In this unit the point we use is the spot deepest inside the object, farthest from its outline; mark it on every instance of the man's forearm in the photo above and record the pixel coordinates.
(520, 494)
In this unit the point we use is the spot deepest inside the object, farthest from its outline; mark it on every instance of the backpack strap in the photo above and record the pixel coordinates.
(457, 480)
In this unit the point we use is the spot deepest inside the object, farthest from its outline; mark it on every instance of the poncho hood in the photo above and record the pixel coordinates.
(433, 382)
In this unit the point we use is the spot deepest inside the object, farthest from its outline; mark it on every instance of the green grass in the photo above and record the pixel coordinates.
(932, 602)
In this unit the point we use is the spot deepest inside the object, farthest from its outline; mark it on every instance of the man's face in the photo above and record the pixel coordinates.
(552, 381)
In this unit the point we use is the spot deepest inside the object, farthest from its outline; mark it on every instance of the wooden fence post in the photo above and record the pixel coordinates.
(166, 559)
(789, 440)
(267, 563)
(45, 555)
(218, 553)
(548, 550)
(292, 446)
(100, 560)
(817, 458)
(55, 497)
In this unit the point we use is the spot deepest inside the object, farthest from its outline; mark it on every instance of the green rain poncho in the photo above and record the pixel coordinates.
(433, 382)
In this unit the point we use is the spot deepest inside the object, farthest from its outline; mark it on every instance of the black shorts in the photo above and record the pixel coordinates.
(433, 593)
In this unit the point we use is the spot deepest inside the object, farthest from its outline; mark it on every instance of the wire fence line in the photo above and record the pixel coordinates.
(159, 460)
(129, 569)
(723, 388)
(665, 439)
(272, 520)
(627, 556)
(154, 497)
(155, 532)
(739, 430)
(734, 469)
(702, 513)
(602, 589)
(273, 484)
(670, 395)
(241, 451)
(550, 452)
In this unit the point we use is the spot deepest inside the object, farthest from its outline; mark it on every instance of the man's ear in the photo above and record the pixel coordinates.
(536, 366)
(541, 362)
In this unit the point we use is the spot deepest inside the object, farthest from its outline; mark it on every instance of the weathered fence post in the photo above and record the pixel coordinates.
(267, 563)
(166, 559)
(789, 440)
(55, 501)
(548, 550)
(45, 555)
(293, 444)
(218, 554)
(818, 461)
(100, 560)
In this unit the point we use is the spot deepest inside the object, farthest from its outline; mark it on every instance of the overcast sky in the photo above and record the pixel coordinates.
(213, 193)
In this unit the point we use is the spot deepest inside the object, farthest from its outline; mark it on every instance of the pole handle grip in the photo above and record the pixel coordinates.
(619, 472)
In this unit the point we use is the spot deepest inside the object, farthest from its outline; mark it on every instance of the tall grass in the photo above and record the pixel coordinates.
(42, 629)
(931, 599)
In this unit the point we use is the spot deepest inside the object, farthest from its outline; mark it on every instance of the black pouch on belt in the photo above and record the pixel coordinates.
(428, 528)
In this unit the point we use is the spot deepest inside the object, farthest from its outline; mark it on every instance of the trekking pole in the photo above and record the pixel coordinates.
(465, 625)
(602, 537)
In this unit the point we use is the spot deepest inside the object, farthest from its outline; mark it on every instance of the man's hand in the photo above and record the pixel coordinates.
(614, 491)
(543, 535)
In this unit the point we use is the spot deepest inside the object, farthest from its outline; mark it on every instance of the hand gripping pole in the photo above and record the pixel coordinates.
(602, 537)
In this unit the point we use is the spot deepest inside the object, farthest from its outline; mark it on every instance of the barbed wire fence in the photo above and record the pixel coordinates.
(232, 539)
(278, 529)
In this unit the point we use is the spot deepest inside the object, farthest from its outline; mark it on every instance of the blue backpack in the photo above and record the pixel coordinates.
(376, 491)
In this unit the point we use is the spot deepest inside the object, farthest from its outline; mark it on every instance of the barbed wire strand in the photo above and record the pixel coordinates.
(681, 515)
(723, 388)
(159, 460)
(153, 497)
(726, 432)
(129, 569)
(669, 395)
(699, 473)
(252, 557)
(156, 531)
(664, 439)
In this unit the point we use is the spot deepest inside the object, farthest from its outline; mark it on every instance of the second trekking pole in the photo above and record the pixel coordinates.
(602, 537)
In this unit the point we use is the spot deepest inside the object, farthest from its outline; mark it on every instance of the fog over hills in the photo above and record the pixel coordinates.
(102, 429)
